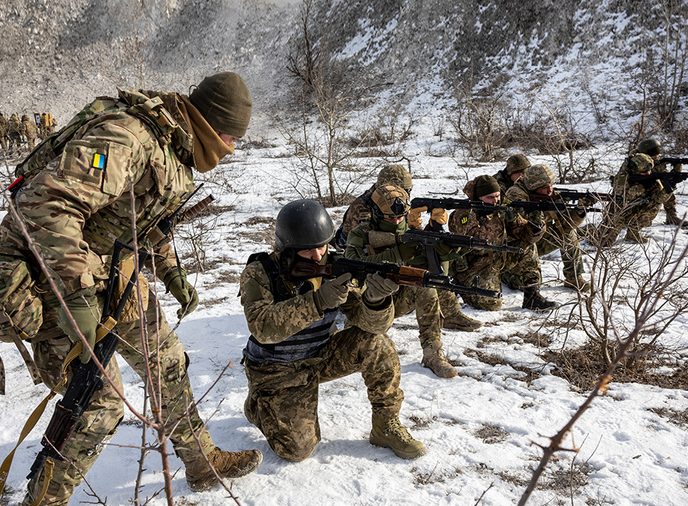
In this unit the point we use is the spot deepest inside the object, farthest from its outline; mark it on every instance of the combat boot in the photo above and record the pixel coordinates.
(435, 360)
(389, 433)
(533, 299)
(578, 284)
(201, 475)
(461, 322)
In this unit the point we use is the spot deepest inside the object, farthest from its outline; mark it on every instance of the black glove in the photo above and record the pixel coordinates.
(378, 289)
(333, 292)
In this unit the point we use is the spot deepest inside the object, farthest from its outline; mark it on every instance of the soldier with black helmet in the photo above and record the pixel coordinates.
(295, 345)
(127, 158)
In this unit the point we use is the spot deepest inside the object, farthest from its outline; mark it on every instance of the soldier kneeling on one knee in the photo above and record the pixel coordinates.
(295, 344)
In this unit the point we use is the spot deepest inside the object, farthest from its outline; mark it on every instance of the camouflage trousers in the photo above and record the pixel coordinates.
(283, 398)
(488, 278)
(98, 423)
(426, 303)
(569, 245)
(523, 270)
(635, 216)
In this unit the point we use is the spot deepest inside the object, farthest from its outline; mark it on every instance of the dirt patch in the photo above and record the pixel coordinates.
(493, 360)
(513, 478)
(421, 423)
(491, 434)
(583, 367)
(565, 480)
(679, 418)
(260, 220)
(536, 339)
(434, 476)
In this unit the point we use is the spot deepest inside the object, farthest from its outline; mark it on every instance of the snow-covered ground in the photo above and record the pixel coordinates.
(481, 428)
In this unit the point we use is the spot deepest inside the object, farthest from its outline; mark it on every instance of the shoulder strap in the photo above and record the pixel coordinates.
(279, 290)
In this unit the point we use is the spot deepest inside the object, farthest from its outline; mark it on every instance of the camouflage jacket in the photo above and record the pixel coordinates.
(627, 194)
(557, 222)
(29, 129)
(504, 181)
(358, 212)
(272, 322)
(76, 204)
(383, 249)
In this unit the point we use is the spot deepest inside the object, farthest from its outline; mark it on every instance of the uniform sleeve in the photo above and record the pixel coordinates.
(357, 213)
(270, 321)
(92, 172)
(373, 320)
(356, 248)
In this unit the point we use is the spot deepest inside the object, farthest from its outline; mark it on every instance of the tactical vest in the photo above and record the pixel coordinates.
(302, 345)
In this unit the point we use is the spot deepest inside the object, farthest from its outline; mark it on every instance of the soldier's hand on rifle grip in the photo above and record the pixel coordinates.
(333, 292)
(414, 217)
(408, 250)
(536, 220)
(86, 313)
(378, 289)
(178, 285)
(439, 216)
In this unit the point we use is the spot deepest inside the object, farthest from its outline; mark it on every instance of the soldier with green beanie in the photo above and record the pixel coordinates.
(76, 200)
(295, 345)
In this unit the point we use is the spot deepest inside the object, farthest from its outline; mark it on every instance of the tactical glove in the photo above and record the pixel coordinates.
(414, 217)
(536, 220)
(176, 283)
(333, 292)
(86, 313)
(439, 216)
(445, 252)
(378, 289)
(408, 250)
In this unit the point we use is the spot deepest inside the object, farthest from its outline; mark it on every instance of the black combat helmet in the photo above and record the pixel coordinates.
(650, 147)
(303, 224)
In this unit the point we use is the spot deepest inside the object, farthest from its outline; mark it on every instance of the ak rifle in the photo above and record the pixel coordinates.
(400, 274)
(669, 179)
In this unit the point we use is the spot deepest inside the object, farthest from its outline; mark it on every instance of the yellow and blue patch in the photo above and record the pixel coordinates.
(464, 220)
(99, 161)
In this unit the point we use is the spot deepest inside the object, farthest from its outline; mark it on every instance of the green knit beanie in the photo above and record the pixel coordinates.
(225, 102)
(485, 185)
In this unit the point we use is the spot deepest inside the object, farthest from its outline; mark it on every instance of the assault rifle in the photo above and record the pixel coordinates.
(547, 204)
(669, 179)
(673, 160)
(430, 240)
(571, 195)
(400, 274)
(86, 378)
(450, 203)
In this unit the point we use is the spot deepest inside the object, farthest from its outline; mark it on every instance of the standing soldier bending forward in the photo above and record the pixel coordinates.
(294, 344)
(81, 192)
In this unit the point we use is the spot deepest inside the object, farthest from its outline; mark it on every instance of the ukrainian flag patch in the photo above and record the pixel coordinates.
(464, 220)
(99, 161)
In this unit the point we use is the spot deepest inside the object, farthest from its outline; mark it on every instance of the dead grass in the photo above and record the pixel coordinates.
(491, 434)
(679, 418)
(421, 423)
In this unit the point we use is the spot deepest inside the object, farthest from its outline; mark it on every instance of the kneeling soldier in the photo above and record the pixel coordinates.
(295, 345)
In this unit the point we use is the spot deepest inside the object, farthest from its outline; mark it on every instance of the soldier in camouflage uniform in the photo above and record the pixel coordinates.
(653, 149)
(14, 132)
(360, 211)
(295, 345)
(484, 269)
(378, 241)
(635, 205)
(30, 131)
(75, 201)
(515, 165)
(4, 128)
(560, 228)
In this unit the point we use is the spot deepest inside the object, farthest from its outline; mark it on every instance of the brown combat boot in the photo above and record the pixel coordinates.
(435, 360)
(461, 322)
(200, 475)
(636, 237)
(388, 432)
(578, 284)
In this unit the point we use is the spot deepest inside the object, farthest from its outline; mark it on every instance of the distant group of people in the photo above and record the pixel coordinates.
(17, 133)
(141, 149)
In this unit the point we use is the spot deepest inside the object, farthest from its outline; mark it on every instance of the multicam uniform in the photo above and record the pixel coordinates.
(30, 131)
(635, 205)
(294, 346)
(559, 232)
(75, 206)
(482, 268)
(4, 128)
